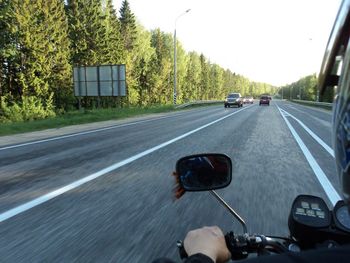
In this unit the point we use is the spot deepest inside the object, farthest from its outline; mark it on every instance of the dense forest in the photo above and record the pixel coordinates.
(41, 41)
(305, 89)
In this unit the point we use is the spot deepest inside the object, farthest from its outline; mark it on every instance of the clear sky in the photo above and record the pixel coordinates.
(272, 41)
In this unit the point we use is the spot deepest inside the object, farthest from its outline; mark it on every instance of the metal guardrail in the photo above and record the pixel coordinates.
(315, 103)
(198, 102)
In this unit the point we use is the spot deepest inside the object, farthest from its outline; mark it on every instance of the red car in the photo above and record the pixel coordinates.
(264, 100)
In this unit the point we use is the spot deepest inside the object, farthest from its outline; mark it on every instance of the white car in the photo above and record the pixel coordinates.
(248, 100)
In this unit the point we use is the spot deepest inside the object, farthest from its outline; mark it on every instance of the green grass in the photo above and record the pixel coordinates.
(80, 117)
(87, 116)
(201, 105)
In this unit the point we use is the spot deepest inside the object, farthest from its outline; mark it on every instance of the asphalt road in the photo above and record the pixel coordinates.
(128, 214)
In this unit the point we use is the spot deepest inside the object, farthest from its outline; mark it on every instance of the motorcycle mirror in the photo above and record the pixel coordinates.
(203, 172)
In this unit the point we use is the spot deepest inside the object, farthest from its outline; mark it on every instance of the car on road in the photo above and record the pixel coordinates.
(234, 99)
(248, 100)
(264, 100)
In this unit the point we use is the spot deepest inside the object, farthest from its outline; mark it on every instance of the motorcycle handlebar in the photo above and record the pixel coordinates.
(182, 251)
(241, 245)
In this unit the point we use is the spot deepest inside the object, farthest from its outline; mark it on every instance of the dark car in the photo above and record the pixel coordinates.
(264, 100)
(234, 99)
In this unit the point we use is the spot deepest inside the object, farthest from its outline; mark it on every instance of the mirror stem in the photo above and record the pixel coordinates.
(233, 212)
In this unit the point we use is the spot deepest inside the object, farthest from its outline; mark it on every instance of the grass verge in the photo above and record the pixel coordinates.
(79, 117)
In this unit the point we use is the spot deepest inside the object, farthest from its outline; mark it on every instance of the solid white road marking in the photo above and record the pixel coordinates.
(86, 132)
(331, 193)
(44, 198)
(323, 122)
(327, 112)
(81, 133)
(312, 134)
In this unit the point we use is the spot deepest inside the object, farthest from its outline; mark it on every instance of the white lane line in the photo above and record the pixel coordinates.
(286, 114)
(312, 134)
(323, 122)
(87, 132)
(84, 133)
(327, 112)
(44, 198)
(332, 194)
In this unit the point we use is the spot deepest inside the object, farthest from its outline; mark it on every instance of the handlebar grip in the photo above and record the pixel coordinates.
(233, 244)
(182, 251)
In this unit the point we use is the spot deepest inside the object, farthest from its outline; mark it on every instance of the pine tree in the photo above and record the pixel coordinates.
(58, 53)
(40, 30)
(77, 33)
(128, 26)
(114, 49)
(87, 32)
(7, 49)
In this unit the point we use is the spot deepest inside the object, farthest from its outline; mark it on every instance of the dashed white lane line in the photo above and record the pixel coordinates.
(331, 193)
(44, 198)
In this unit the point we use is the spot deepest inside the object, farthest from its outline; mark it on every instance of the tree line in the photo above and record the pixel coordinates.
(305, 89)
(41, 41)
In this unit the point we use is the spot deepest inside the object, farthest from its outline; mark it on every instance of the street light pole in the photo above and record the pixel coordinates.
(174, 93)
(175, 73)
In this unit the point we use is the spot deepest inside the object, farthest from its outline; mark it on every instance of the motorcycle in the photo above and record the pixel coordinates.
(311, 223)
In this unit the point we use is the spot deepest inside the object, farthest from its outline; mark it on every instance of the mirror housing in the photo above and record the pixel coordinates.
(204, 172)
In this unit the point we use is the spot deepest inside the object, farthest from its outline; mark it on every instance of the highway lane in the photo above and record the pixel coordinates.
(30, 171)
(318, 121)
(128, 214)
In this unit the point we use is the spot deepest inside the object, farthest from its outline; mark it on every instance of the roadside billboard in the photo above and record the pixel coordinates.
(100, 81)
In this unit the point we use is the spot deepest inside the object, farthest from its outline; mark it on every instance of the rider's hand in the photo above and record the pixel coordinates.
(209, 241)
